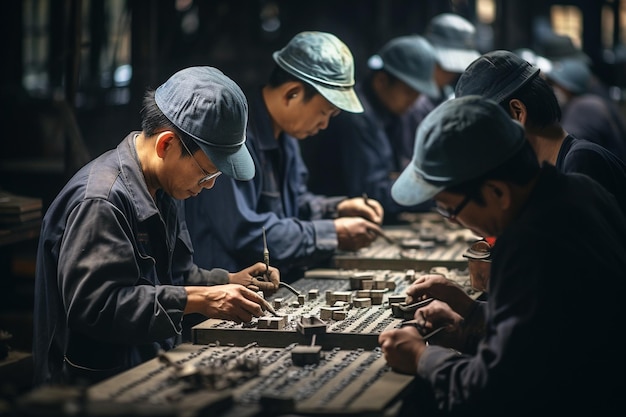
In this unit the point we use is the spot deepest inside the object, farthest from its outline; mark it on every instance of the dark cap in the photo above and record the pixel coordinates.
(460, 140)
(411, 59)
(571, 74)
(325, 62)
(557, 47)
(454, 40)
(211, 108)
(495, 75)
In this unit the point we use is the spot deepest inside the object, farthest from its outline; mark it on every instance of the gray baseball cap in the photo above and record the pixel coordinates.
(411, 59)
(211, 108)
(325, 62)
(572, 74)
(454, 40)
(460, 140)
(495, 75)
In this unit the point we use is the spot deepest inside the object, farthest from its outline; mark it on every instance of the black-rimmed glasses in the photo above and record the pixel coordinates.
(451, 214)
(207, 177)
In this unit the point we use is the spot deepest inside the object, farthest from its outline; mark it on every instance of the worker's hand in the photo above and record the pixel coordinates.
(255, 278)
(371, 209)
(437, 314)
(402, 348)
(228, 302)
(439, 287)
(354, 233)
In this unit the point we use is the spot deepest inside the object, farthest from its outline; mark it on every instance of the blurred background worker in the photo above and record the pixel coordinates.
(454, 40)
(311, 82)
(364, 152)
(586, 114)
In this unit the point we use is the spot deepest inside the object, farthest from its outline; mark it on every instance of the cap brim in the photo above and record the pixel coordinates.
(455, 60)
(410, 188)
(237, 164)
(557, 78)
(424, 87)
(344, 99)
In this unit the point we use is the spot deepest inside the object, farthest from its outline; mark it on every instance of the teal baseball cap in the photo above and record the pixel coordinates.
(325, 62)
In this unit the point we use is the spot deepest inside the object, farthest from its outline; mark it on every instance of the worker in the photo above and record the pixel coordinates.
(586, 114)
(114, 274)
(368, 149)
(526, 350)
(517, 86)
(312, 81)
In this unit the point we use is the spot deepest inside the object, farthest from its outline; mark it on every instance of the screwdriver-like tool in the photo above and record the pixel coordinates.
(266, 257)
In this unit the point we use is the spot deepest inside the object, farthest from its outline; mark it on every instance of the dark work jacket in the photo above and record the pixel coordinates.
(360, 153)
(585, 157)
(598, 120)
(417, 113)
(555, 306)
(226, 223)
(110, 265)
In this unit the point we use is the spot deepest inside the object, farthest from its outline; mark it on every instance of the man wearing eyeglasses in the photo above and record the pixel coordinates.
(115, 275)
(542, 342)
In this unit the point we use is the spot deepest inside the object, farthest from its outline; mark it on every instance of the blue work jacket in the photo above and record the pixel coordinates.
(226, 223)
(361, 153)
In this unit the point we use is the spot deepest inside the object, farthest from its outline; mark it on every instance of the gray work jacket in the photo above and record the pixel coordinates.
(111, 263)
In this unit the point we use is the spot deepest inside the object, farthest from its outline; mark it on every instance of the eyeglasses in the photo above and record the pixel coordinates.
(207, 177)
(451, 214)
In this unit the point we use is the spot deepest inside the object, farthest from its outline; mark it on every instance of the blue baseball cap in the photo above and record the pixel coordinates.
(411, 59)
(211, 108)
(325, 62)
(460, 140)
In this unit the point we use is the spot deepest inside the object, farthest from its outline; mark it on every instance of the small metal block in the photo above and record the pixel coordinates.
(301, 299)
(277, 323)
(363, 294)
(313, 294)
(362, 302)
(306, 355)
(278, 302)
(409, 275)
(339, 315)
(326, 313)
(379, 285)
(396, 299)
(342, 296)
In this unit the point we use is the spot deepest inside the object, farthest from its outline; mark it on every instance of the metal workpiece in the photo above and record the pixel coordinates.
(354, 318)
(339, 382)
(427, 241)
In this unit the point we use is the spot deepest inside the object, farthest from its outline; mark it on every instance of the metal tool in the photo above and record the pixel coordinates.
(289, 287)
(266, 257)
(381, 233)
(269, 308)
(421, 329)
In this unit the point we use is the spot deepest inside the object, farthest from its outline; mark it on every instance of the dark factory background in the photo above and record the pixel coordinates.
(74, 73)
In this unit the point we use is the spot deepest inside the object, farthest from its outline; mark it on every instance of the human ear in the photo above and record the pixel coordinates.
(164, 143)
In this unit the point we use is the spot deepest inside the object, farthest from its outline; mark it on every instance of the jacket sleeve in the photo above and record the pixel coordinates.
(228, 222)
